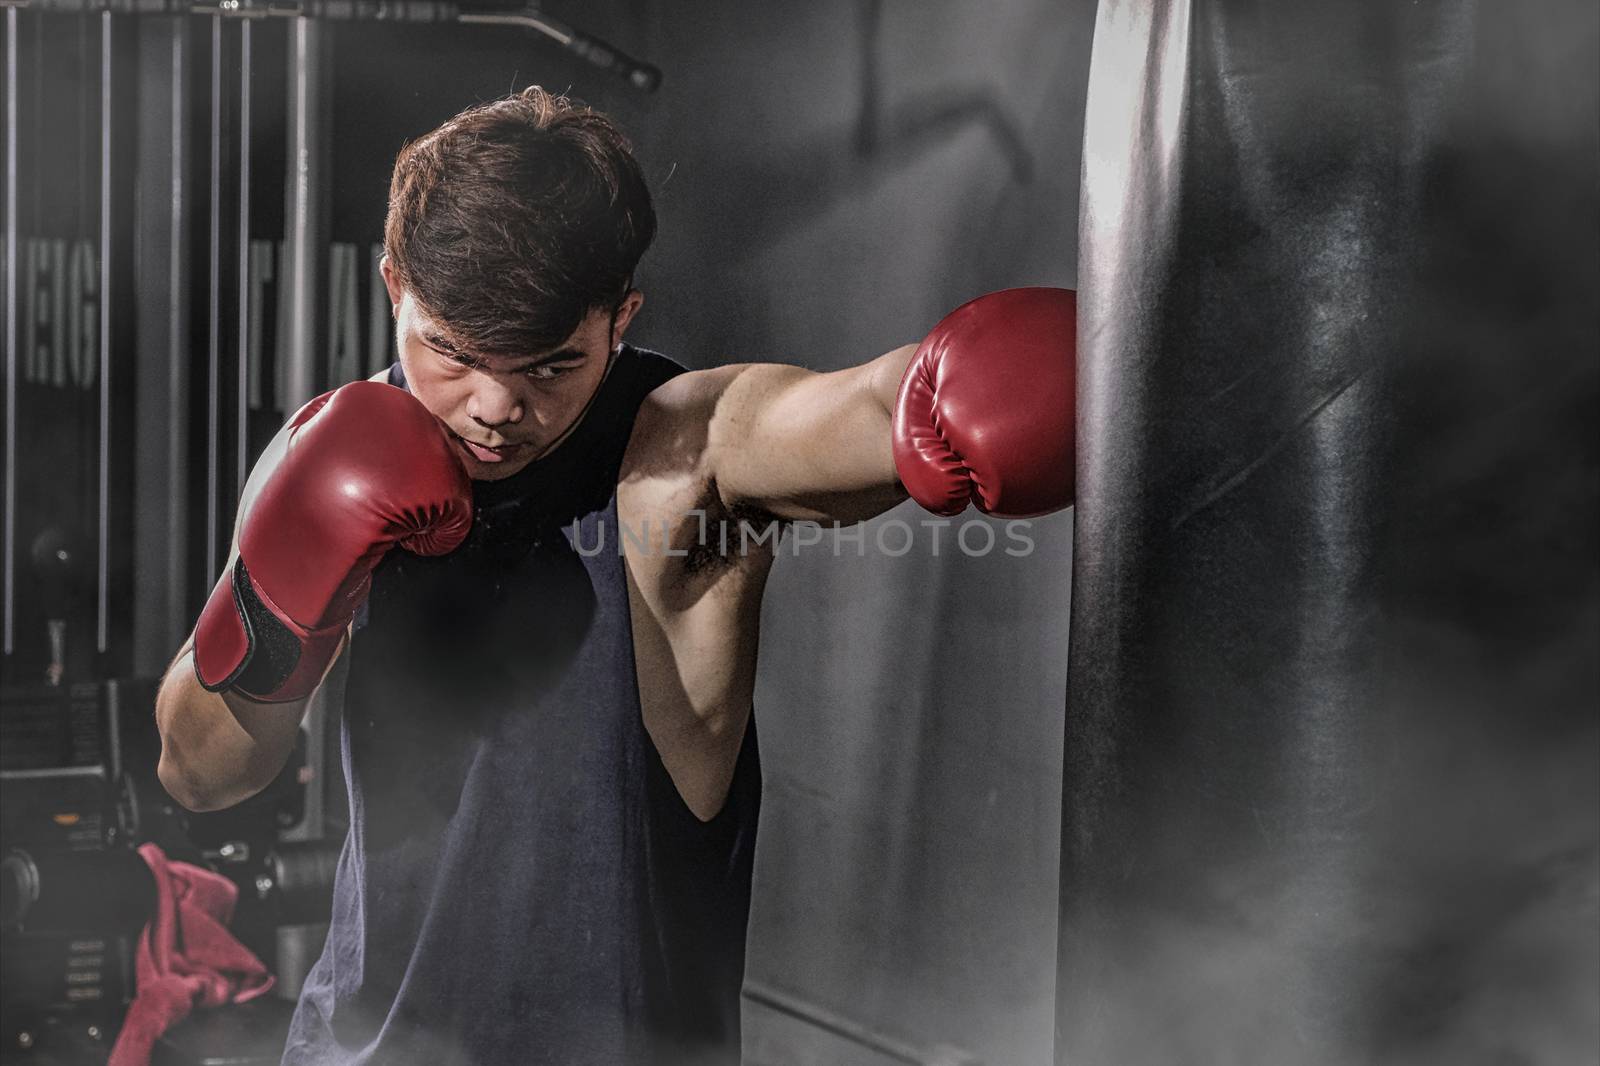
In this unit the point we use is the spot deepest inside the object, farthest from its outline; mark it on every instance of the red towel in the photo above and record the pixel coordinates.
(186, 956)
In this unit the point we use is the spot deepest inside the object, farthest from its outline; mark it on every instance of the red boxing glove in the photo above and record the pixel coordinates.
(985, 411)
(357, 471)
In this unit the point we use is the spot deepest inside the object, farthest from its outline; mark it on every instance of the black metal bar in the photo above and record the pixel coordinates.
(11, 329)
(103, 569)
(214, 312)
(163, 375)
(243, 426)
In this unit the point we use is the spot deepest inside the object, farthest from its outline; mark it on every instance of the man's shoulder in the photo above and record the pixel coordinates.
(671, 426)
(685, 414)
(682, 421)
(690, 395)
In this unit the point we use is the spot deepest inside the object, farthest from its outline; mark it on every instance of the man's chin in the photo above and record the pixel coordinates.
(495, 471)
(508, 463)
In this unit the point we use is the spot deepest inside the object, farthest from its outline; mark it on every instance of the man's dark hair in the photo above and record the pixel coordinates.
(513, 220)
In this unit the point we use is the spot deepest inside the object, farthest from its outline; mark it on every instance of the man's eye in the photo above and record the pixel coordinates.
(548, 371)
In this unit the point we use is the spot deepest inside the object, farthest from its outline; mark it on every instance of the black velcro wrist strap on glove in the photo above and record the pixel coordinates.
(274, 648)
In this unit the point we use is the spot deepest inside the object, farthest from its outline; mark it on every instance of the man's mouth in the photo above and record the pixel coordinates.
(487, 454)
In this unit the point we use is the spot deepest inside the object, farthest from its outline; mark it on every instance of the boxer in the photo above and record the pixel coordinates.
(547, 732)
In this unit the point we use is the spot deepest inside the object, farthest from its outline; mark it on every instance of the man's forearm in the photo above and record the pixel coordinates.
(797, 444)
(218, 749)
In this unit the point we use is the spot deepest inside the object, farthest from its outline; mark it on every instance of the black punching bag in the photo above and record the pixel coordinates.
(1332, 736)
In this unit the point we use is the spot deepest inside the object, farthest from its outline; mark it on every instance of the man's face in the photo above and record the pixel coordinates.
(505, 411)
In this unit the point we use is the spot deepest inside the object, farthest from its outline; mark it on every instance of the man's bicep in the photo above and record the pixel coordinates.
(804, 445)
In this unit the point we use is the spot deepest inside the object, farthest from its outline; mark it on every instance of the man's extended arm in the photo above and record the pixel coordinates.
(984, 415)
(803, 445)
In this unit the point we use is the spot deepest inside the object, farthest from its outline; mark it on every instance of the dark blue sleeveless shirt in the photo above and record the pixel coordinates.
(522, 883)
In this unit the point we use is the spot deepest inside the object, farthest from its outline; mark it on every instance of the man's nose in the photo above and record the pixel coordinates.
(493, 402)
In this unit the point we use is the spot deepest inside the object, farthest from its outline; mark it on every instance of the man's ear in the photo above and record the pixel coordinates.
(391, 281)
(625, 311)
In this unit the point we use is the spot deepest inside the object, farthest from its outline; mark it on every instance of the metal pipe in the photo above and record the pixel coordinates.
(642, 76)
(305, 229)
(307, 239)
(11, 328)
(178, 378)
(537, 23)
